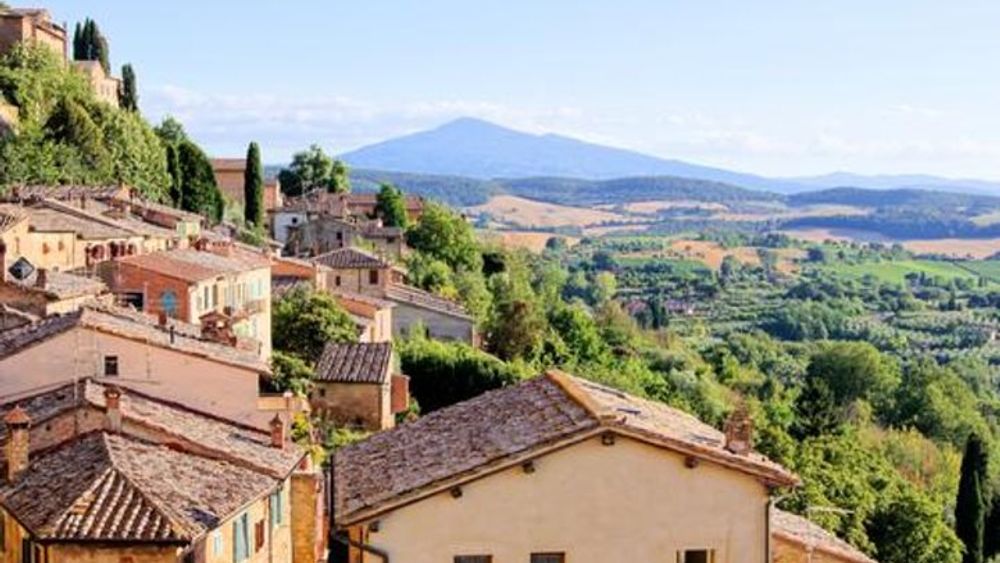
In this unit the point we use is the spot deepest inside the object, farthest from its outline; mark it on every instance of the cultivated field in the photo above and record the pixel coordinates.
(524, 212)
(531, 240)
(896, 271)
(959, 248)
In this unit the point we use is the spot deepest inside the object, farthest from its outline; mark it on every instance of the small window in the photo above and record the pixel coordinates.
(548, 557)
(373, 277)
(110, 366)
(322, 392)
(258, 535)
(696, 556)
(336, 281)
(473, 559)
(217, 543)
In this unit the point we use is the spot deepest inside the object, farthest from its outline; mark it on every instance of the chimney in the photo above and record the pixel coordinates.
(41, 278)
(739, 431)
(113, 408)
(17, 449)
(277, 432)
(3, 262)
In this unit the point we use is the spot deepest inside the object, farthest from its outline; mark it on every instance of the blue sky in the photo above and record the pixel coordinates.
(773, 87)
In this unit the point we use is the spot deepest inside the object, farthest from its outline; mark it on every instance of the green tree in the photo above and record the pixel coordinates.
(970, 504)
(289, 373)
(444, 235)
(253, 188)
(313, 169)
(390, 205)
(303, 321)
(128, 95)
(89, 44)
(200, 193)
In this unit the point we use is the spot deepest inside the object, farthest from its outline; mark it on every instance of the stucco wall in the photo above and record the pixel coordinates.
(283, 220)
(627, 503)
(277, 547)
(439, 325)
(789, 552)
(198, 382)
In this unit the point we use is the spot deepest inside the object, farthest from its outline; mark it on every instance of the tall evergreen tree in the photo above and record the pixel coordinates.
(89, 44)
(199, 192)
(78, 47)
(128, 96)
(253, 188)
(970, 505)
(176, 180)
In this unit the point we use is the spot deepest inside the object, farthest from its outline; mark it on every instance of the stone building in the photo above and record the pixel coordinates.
(216, 278)
(797, 540)
(230, 177)
(323, 234)
(351, 207)
(104, 85)
(31, 25)
(351, 270)
(170, 359)
(95, 473)
(357, 385)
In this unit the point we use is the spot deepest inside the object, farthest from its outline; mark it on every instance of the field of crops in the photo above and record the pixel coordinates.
(895, 271)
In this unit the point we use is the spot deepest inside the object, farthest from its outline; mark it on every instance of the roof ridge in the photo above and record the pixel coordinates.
(89, 215)
(572, 389)
(113, 456)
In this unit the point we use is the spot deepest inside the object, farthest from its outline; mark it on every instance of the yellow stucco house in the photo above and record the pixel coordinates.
(552, 470)
(92, 474)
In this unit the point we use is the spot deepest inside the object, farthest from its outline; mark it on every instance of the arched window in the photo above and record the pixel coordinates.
(168, 301)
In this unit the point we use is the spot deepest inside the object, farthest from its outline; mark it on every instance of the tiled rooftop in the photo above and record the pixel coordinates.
(811, 536)
(61, 285)
(355, 362)
(197, 265)
(351, 258)
(128, 324)
(400, 293)
(498, 427)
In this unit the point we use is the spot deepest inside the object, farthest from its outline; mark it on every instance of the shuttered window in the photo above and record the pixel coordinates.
(473, 559)
(241, 538)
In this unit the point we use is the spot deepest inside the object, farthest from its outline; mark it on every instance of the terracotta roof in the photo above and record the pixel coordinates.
(63, 192)
(104, 486)
(355, 362)
(801, 531)
(230, 164)
(400, 293)
(60, 285)
(132, 325)
(56, 217)
(235, 441)
(351, 258)
(502, 427)
(10, 216)
(341, 295)
(196, 265)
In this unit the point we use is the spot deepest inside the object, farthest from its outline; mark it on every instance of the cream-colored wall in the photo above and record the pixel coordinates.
(277, 546)
(238, 291)
(790, 552)
(356, 280)
(198, 382)
(81, 553)
(626, 503)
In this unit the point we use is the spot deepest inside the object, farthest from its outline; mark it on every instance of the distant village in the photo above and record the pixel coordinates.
(135, 350)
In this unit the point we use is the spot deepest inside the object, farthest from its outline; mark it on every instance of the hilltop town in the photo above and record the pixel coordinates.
(203, 360)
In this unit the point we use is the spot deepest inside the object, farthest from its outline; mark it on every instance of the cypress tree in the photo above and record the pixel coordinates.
(128, 96)
(253, 188)
(78, 42)
(176, 180)
(970, 505)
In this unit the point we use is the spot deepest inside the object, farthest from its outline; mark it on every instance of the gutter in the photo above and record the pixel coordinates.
(336, 536)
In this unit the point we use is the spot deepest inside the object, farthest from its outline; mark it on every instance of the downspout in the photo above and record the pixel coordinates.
(342, 538)
(767, 529)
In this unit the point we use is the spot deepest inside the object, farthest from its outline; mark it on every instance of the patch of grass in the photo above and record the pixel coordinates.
(895, 271)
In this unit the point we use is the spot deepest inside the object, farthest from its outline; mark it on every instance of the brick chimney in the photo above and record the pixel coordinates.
(113, 407)
(17, 449)
(278, 437)
(739, 431)
(41, 278)
(3, 262)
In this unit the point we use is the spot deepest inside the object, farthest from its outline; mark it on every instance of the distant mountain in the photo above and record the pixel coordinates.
(899, 181)
(479, 149)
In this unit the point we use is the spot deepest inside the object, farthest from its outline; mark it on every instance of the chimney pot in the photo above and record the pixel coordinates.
(41, 278)
(278, 432)
(112, 405)
(17, 448)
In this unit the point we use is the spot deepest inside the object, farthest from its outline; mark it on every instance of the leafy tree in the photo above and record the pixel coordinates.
(171, 131)
(313, 169)
(200, 193)
(446, 236)
(970, 504)
(176, 188)
(936, 401)
(303, 321)
(128, 96)
(391, 206)
(444, 373)
(289, 373)
(253, 188)
(906, 528)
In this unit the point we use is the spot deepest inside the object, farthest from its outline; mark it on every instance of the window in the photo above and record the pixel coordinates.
(548, 557)
(696, 556)
(336, 281)
(110, 366)
(258, 536)
(208, 298)
(241, 538)
(473, 559)
(373, 277)
(277, 504)
(168, 302)
(217, 543)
